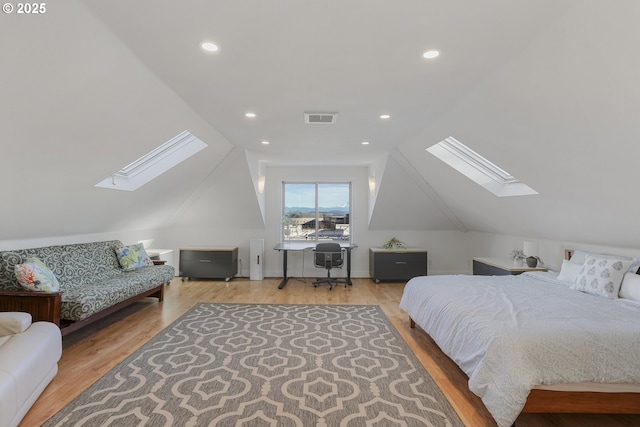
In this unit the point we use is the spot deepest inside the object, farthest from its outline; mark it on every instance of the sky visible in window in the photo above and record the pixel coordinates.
(329, 195)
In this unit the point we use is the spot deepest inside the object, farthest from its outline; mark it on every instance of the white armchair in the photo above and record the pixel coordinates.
(29, 355)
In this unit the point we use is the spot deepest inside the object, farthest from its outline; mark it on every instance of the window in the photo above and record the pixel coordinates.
(316, 211)
(477, 168)
(154, 163)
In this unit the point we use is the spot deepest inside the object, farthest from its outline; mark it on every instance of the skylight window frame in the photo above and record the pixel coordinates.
(154, 163)
(479, 169)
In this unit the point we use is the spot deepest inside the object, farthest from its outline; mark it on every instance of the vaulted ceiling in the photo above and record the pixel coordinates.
(361, 58)
(547, 89)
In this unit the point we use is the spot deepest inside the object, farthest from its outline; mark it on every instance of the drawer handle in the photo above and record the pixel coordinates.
(401, 262)
(205, 260)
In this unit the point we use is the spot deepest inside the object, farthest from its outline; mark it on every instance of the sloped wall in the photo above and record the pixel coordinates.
(76, 108)
(562, 117)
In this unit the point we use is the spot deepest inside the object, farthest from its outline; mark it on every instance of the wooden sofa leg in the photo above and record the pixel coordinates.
(160, 294)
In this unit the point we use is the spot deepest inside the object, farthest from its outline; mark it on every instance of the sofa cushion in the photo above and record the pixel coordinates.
(34, 275)
(132, 257)
(79, 303)
(13, 322)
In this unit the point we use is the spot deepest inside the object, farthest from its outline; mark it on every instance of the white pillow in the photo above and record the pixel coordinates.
(569, 271)
(579, 257)
(601, 276)
(630, 288)
(34, 275)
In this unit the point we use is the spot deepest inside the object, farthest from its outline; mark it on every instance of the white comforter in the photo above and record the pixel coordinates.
(512, 333)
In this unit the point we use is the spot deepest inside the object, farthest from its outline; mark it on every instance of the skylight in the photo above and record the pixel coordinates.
(154, 163)
(477, 168)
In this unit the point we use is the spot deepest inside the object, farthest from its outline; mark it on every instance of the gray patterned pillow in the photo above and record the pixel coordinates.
(601, 276)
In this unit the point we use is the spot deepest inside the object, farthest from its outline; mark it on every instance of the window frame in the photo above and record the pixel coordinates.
(316, 232)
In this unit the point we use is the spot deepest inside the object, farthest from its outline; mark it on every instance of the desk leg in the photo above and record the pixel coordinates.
(349, 267)
(284, 270)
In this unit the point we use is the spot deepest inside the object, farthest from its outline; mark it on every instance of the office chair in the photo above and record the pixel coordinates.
(329, 255)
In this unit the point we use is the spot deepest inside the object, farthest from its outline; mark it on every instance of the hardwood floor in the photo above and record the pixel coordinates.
(90, 352)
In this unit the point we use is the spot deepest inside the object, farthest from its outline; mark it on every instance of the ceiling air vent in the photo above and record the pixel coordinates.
(321, 118)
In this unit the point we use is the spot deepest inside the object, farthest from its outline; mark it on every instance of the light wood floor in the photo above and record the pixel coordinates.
(90, 353)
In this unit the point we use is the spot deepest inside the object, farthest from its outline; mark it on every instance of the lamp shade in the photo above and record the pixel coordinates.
(530, 248)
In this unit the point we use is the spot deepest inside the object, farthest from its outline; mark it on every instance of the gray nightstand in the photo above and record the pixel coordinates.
(397, 264)
(499, 267)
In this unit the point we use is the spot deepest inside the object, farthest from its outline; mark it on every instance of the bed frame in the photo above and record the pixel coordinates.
(578, 402)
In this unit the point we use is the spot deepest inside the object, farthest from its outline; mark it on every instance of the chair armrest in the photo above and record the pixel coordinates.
(43, 306)
(12, 323)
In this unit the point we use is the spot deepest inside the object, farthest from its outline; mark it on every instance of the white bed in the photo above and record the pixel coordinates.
(512, 334)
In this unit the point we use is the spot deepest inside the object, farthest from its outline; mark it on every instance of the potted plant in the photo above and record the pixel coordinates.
(518, 256)
(394, 244)
(532, 261)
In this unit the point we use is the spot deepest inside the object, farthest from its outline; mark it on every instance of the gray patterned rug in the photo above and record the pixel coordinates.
(267, 365)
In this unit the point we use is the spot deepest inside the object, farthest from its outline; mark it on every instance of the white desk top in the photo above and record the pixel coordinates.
(398, 250)
(158, 251)
(211, 248)
(307, 244)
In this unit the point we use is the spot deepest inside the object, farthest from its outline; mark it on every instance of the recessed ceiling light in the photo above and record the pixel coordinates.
(365, 142)
(250, 115)
(385, 116)
(265, 142)
(430, 54)
(209, 47)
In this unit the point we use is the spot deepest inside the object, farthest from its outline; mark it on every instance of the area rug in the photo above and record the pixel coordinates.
(267, 365)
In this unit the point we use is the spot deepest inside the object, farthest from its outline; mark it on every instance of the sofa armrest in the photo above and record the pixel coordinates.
(12, 323)
(43, 306)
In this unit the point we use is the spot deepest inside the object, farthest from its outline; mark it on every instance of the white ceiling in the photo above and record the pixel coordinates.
(360, 58)
(546, 89)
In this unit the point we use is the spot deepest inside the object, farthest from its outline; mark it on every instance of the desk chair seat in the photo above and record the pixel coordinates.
(329, 256)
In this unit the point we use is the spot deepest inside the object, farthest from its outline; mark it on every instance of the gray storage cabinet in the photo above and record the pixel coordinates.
(499, 267)
(397, 264)
(208, 263)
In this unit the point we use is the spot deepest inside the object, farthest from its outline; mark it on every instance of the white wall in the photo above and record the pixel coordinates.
(560, 115)
(126, 237)
(550, 251)
(76, 107)
(212, 219)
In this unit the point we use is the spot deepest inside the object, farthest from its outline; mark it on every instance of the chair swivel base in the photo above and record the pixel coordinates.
(330, 281)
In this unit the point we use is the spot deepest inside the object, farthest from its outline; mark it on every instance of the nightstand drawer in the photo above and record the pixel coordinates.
(401, 257)
(198, 257)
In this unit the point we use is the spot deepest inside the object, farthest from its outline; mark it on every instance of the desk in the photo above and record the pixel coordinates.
(304, 245)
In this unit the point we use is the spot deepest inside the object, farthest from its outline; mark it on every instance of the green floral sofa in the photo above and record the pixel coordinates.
(92, 283)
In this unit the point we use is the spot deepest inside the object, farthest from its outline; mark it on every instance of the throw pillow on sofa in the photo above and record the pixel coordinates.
(132, 257)
(34, 275)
